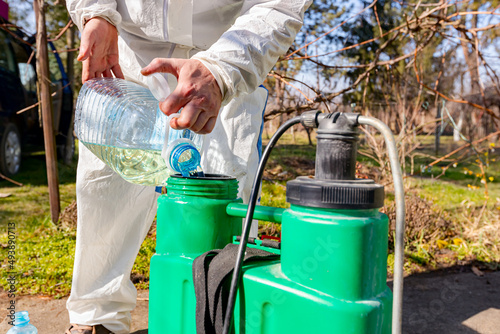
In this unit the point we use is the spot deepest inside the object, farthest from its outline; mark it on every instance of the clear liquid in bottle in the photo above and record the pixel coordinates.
(120, 122)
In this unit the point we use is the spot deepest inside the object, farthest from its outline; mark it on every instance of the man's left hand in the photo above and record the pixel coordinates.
(197, 92)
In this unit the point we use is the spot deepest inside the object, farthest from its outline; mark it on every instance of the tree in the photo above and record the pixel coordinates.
(392, 54)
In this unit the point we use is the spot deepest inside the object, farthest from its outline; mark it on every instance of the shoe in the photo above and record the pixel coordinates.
(84, 329)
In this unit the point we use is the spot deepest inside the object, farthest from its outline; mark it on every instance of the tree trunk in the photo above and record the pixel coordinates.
(42, 66)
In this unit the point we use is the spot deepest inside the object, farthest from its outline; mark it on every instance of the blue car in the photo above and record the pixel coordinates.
(20, 123)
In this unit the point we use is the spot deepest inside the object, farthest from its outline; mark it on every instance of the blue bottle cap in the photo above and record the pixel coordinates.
(185, 159)
(182, 156)
(22, 318)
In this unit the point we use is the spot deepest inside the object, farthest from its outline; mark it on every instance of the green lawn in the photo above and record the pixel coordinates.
(44, 250)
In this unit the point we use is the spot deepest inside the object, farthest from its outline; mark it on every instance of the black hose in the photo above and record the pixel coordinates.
(228, 320)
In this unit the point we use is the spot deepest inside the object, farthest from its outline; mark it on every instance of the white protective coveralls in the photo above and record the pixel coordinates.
(239, 41)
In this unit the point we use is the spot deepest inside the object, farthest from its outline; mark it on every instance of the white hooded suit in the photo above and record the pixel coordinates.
(239, 42)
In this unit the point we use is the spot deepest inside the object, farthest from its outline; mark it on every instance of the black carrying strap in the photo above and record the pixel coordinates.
(212, 279)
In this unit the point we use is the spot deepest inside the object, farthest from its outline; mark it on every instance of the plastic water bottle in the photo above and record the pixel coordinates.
(122, 124)
(22, 324)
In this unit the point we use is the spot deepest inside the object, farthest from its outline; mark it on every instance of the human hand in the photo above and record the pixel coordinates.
(99, 50)
(197, 92)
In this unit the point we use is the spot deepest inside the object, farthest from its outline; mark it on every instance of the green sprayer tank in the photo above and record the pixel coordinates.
(332, 271)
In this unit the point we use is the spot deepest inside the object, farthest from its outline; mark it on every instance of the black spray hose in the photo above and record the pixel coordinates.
(228, 320)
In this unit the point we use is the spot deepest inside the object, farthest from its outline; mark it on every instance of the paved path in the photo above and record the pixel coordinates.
(438, 302)
(450, 302)
(50, 315)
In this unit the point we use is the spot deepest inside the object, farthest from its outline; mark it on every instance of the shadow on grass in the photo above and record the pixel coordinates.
(29, 204)
(34, 171)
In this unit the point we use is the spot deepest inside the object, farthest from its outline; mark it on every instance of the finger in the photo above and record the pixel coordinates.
(189, 117)
(200, 122)
(117, 71)
(209, 126)
(107, 74)
(83, 55)
(174, 102)
(162, 65)
(85, 47)
(86, 71)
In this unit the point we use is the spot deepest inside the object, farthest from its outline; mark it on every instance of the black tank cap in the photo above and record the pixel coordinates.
(335, 194)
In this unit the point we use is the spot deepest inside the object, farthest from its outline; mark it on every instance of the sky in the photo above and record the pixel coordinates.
(26, 8)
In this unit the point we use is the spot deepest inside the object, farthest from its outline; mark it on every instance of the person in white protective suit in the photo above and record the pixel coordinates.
(218, 52)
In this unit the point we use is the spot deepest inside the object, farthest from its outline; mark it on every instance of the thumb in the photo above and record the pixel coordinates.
(164, 65)
(85, 48)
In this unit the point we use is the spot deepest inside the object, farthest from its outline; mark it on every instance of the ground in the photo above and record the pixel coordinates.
(455, 300)
(452, 301)
(50, 316)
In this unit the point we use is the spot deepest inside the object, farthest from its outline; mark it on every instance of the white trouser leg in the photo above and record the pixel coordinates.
(114, 217)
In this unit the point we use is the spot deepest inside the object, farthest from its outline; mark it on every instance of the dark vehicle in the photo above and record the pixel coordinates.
(20, 125)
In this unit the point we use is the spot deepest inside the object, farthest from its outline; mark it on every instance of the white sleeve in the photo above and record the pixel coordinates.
(83, 10)
(243, 56)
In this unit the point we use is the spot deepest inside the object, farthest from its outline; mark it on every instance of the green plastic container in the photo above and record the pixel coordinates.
(331, 277)
(191, 220)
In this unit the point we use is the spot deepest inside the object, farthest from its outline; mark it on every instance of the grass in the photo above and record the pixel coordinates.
(29, 204)
(44, 260)
(467, 193)
(44, 251)
(474, 217)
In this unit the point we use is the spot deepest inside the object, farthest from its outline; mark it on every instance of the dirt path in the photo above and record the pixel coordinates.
(449, 302)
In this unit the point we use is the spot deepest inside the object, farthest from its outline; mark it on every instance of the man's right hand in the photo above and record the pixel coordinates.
(99, 50)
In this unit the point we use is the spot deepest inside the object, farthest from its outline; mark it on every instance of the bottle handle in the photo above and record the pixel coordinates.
(176, 115)
(158, 85)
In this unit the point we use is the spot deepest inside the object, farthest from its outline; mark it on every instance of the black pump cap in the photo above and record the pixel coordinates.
(337, 147)
(335, 194)
(335, 185)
